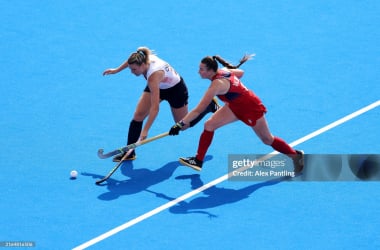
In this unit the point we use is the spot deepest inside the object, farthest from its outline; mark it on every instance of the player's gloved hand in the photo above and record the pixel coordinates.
(176, 128)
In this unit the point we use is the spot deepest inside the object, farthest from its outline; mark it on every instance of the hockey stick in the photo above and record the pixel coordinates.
(115, 168)
(130, 146)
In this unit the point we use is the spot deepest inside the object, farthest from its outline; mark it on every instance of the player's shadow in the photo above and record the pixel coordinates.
(140, 179)
(213, 196)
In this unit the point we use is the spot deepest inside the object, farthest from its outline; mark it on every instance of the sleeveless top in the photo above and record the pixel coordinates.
(239, 98)
(171, 77)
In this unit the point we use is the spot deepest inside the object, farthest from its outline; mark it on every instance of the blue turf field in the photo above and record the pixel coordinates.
(317, 61)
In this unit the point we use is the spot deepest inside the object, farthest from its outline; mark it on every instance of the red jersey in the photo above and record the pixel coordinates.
(243, 102)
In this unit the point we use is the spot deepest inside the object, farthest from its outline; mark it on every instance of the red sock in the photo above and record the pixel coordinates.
(204, 143)
(281, 146)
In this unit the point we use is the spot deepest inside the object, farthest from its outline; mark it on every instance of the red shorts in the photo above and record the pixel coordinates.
(248, 109)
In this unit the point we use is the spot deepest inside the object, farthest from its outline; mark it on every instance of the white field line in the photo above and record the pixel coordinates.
(218, 180)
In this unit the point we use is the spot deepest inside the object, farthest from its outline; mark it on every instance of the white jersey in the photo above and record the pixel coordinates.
(171, 77)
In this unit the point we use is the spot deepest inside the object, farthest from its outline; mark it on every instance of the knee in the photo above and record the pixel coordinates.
(139, 116)
(209, 125)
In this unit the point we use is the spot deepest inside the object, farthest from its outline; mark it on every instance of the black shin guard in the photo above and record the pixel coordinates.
(134, 131)
(196, 120)
(209, 109)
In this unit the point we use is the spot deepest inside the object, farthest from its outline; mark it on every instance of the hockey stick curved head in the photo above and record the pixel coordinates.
(100, 153)
(98, 182)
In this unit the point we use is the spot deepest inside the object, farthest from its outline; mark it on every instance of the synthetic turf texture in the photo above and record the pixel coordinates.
(220, 179)
(315, 64)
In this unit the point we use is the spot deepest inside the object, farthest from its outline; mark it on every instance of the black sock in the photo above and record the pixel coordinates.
(134, 131)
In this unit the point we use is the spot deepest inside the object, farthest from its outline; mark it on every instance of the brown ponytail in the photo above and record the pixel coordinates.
(228, 65)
